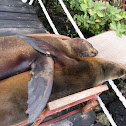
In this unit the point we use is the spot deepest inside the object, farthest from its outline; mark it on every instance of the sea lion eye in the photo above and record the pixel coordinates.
(93, 52)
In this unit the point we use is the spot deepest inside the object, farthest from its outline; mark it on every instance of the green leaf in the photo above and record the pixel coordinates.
(119, 26)
(119, 16)
(107, 4)
(86, 25)
(102, 8)
(100, 14)
(90, 11)
(117, 10)
(83, 7)
(90, 3)
(113, 12)
(85, 1)
(113, 25)
(122, 30)
(79, 23)
(90, 22)
(118, 34)
(97, 26)
(85, 15)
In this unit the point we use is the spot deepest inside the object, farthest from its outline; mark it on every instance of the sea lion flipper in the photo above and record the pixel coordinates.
(42, 46)
(40, 86)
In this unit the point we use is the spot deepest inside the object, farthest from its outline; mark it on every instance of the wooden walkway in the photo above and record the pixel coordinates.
(17, 18)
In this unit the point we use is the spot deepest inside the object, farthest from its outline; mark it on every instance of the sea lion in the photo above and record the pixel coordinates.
(70, 76)
(18, 56)
(75, 47)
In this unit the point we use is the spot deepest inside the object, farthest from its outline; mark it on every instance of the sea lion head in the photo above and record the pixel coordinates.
(110, 69)
(113, 70)
(100, 70)
(82, 48)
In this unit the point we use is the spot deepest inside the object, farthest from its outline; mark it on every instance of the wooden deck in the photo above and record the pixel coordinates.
(17, 18)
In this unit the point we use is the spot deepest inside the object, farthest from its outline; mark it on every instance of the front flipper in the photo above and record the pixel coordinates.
(40, 86)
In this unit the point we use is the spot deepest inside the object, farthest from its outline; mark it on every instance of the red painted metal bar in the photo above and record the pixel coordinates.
(47, 112)
(61, 117)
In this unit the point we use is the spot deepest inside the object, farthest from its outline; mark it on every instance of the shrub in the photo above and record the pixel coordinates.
(98, 17)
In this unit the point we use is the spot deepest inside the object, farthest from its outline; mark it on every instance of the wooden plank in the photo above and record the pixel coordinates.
(112, 48)
(75, 97)
(4, 8)
(18, 16)
(17, 3)
(20, 24)
(20, 31)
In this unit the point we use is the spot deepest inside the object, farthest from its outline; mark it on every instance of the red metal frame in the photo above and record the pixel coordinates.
(48, 112)
(60, 117)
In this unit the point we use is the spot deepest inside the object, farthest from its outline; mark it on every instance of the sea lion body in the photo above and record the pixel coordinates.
(67, 80)
(70, 75)
(75, 47)
(17, 55)
(87, 73)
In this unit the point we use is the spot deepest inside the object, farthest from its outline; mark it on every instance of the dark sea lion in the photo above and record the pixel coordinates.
(75, 47)
(70, 76)
(18, 56)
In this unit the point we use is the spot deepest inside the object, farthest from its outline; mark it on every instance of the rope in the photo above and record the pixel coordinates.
(24, 1)
(106, 112)
(48, 17)
(31, 2)
(118, 93)
(71, 19)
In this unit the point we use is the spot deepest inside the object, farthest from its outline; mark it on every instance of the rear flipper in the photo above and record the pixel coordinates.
(40, 86)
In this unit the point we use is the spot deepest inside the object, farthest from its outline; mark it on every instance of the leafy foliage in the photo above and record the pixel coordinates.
(99, 16)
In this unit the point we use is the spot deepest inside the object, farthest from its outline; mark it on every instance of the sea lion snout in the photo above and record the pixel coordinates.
(82, 48)
(123, 72)
(114, 70)
(93, 52)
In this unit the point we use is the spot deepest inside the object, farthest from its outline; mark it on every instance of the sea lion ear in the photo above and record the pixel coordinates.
(40, 86)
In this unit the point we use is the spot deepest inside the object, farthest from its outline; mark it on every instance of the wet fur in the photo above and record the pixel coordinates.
(67, 80)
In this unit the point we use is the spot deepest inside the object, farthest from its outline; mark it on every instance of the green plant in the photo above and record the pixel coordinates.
(71, 35)
(99, 16)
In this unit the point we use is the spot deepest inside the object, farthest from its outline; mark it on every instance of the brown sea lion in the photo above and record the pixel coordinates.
(18, 56)
(70, 76)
